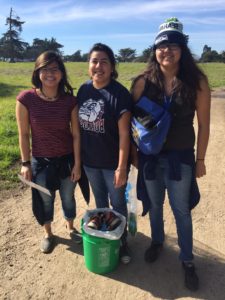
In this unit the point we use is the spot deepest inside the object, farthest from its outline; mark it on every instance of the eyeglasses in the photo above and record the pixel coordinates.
(103, 61)
(170, 46)
(49, 70)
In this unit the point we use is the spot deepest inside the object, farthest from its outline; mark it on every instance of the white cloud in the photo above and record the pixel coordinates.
(67, 20)
(66, 11)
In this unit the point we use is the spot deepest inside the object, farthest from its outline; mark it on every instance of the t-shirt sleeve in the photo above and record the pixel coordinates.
(124, 102)
(82, 92)
(23, 97)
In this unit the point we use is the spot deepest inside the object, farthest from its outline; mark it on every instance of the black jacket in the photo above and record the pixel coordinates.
(56, 168)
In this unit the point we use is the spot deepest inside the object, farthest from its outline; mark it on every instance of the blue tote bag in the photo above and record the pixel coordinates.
(150, 125)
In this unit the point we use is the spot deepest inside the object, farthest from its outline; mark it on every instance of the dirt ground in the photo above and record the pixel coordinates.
(26, 273)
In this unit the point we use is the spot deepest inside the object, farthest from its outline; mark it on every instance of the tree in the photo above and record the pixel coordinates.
(206, 49)
(10, 44)
(144, 57)
(126, 55)
(40, 46)
(209, 55)
(76, 56)
(85, 57)
(223, 56)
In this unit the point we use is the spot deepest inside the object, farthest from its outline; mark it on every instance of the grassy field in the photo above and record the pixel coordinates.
(16, 77)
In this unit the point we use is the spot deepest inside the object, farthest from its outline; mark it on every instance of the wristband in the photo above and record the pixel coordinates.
(26, 163)
(200, 159)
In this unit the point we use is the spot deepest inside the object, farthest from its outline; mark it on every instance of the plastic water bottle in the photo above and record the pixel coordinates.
(132, 201)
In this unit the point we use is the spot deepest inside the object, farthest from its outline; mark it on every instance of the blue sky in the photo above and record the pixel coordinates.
(119, 23)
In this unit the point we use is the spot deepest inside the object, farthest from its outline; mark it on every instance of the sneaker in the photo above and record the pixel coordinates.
(75, 236)
(191, 278)
(152, 253)
(125, 256)
(47, 244)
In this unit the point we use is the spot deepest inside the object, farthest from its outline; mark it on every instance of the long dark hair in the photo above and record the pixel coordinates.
(45, 59)
(187, 80)
(110, 54)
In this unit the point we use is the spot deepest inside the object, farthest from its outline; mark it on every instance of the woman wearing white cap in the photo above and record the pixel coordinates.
(173, 79)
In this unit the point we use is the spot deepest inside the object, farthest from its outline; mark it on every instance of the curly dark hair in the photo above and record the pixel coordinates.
(110, 54)
(44, 60)
(187, 80)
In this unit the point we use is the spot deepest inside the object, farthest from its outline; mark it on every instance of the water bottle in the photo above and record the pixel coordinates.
(132, 201)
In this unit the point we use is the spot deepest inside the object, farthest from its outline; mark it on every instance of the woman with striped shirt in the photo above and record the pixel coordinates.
(48, 115)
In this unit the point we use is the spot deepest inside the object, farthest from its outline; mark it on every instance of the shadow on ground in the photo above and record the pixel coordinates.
(70, 245)
(164, 278)
(7, 90)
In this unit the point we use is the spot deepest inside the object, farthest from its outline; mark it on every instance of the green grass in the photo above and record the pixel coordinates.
(17, 77)
(215, 73)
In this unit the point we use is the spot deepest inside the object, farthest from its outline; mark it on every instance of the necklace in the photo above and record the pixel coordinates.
(167, 101)
(48, 98)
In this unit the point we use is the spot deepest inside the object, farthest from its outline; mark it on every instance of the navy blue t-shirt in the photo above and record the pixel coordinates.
(99, 112)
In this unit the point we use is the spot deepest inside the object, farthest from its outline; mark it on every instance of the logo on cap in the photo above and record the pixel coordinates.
(161, 38)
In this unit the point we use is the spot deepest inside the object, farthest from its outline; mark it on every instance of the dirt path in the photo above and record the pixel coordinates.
(26, 273)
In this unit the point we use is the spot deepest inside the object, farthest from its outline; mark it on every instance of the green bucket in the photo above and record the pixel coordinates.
(101, 255)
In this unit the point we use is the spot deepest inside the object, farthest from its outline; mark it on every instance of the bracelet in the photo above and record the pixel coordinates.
(26, 163)
(200, 159)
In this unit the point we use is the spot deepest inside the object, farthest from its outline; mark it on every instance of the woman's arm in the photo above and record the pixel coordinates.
(22, 117)
(136, 92)
(120, 177)
(203, 118)
(137, 88)
(75, 128)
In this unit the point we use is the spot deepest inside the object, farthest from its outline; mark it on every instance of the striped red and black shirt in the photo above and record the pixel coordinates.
(50, 123)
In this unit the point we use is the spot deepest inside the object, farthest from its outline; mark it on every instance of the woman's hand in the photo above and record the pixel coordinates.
(120, 178)
(76, 173)
(26, 172)
(200, 168)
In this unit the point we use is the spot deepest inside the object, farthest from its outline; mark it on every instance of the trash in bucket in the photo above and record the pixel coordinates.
(101, 248)
(104, 221)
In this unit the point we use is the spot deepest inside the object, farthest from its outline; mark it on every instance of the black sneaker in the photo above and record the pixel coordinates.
(191, 278)
(152, 253)
(125, 256)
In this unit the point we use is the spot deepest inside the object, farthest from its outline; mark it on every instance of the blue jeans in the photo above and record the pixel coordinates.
(178, 194)
(66, 192)
(101, 181)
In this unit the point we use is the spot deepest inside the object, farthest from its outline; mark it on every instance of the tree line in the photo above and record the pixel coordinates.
(13, 49)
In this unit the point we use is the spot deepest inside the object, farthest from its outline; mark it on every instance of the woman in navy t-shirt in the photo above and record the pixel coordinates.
(104, 115)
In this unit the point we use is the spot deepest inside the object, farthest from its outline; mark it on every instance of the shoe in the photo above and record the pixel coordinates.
(125, 256)
(191, 278)
(47, 244)
(75, 236)
(152, 253)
